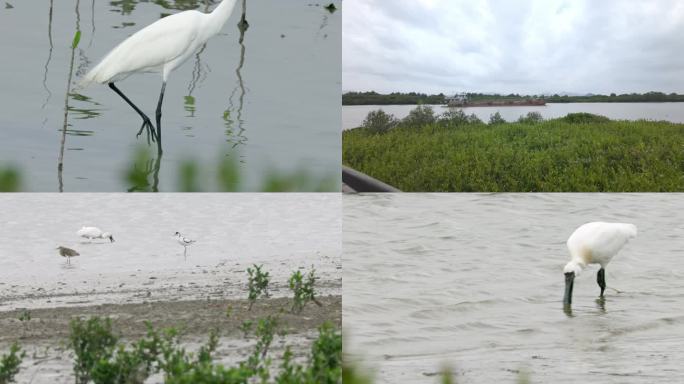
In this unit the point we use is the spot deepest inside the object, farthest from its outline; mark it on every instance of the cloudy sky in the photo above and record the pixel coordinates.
(514, 46)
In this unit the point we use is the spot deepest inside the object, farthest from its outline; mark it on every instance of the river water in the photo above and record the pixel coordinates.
(475, 281)
(284, 232)
(269, 104)
(353, 115)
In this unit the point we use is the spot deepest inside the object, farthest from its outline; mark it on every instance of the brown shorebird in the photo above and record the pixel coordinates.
(67, 252)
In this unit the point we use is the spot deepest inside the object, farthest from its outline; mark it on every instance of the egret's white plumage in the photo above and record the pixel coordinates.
(94, 233)
(162, 47)
(595, 243)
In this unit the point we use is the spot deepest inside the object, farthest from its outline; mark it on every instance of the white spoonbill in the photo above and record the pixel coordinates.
(160, 47)
(94, 233)
(67, 252)
(594, 243)
(184, 241)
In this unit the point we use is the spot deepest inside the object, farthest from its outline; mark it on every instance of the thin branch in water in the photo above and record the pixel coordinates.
(60, 165)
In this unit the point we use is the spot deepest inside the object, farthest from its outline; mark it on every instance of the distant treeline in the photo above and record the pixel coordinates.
(413, 98)
(374, 98)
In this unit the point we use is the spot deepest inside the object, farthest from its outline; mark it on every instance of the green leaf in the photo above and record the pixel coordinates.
(77, 38)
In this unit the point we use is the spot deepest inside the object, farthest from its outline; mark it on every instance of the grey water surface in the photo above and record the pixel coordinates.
(284, 232)
(266, 101)
(353, 115)
(475, 281)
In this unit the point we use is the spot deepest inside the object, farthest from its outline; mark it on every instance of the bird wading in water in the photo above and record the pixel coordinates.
(594, 243)
(162, 47)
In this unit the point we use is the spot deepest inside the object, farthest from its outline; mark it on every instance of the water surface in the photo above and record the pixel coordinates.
(284, 232)
(268, 101)
(475, 281)
(353, 115)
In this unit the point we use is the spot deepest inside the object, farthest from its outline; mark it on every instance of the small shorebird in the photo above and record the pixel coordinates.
(67, 252)
(94, 233)
(185, 242)
(594, 243)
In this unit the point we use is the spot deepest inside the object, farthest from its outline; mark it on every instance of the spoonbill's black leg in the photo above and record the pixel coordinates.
(147, 123)
(159, 113)
(601, 280)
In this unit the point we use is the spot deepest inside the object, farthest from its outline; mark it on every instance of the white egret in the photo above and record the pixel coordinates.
(94, 233)
(185, 242)
(160, 47)
(67, 252)
(594, 243)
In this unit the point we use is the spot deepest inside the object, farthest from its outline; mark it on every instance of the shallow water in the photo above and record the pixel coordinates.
(269, 104)
(475, 281)
(353, 115)
(283, 232)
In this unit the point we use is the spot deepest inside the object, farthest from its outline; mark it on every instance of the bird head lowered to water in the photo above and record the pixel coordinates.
(109, 236)
(594, 243)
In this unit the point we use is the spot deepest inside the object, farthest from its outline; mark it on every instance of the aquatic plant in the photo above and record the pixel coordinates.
(257, 284)
(92, 340)
(304, 291)
(9, 364)
(161, 351)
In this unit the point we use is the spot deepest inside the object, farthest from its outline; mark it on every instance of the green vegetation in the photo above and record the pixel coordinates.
(25, 318)
(374, 98)
(101, 359)
(143, 174)
(257, 284)
(579, 152)
(413, 98)
(10, 180)
(304, 291)
(92, 341)
(9, 364)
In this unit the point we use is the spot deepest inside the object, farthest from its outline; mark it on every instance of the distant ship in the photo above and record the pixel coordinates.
(461, 100)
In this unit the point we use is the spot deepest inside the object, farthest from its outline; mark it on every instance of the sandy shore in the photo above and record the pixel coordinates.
(49, 360)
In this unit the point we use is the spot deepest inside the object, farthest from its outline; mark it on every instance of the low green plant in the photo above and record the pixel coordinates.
(304, 291)
(92, 340)
(495, 119)
(246, 327)
(531, 118)
(25, 318)
(379, 121)
(324, 365)
(420, 115)
(257, 284)
(9, 364)
(584, 118)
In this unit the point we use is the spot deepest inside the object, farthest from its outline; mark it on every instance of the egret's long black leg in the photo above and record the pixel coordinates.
(601, 280)
(159, 113)
(147, 123)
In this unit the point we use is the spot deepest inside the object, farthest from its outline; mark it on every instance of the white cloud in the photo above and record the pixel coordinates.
(522, 46)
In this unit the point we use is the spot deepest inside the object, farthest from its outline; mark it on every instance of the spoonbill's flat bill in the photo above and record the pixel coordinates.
(594, 243)
(94, 233)
(162, 47)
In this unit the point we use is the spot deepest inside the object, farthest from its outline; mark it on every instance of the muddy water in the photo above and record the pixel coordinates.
(475, 281)
(284, 232)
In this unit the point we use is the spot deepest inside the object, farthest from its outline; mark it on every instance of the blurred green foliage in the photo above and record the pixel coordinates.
(10, 179)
